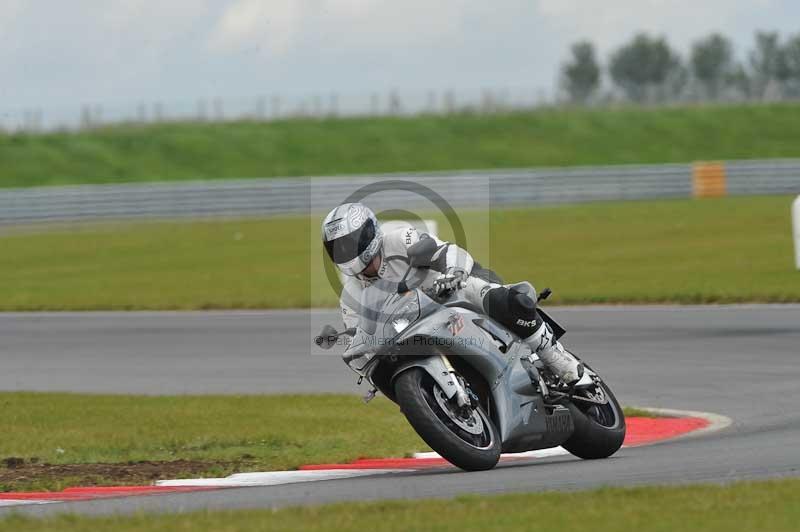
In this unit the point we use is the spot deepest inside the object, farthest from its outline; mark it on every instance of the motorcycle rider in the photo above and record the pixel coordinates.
(355, 242)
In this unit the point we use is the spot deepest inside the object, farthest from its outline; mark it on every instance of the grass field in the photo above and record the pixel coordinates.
(744, 507)
(53, 440)
(734, 249)
(548, 137)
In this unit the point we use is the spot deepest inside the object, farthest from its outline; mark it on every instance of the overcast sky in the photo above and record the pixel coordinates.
(64, 53)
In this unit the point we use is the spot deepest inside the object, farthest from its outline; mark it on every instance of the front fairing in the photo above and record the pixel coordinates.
(383, 315)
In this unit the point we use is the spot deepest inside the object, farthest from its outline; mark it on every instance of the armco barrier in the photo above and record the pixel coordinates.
(268, 196)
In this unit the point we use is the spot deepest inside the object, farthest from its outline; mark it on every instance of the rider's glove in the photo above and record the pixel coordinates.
(452, 279)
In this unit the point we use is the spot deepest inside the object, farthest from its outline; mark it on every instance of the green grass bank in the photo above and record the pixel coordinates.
(547, 137)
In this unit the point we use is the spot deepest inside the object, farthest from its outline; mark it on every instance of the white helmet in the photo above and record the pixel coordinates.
(351, 236)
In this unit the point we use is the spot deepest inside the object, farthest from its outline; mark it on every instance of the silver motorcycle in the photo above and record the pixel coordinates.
(467, 385)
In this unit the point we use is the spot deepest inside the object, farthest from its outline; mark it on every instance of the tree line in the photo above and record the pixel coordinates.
(648, 70)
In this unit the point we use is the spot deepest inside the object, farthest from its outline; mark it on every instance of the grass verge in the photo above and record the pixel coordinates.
(735, 249)
(547, 137)
(744, 507)
(186, 435)
(54, 440)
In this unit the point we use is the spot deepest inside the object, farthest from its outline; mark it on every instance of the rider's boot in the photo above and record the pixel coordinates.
(515, 307)
(550, 351)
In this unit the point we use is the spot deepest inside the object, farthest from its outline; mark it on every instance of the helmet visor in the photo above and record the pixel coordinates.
(348, 247)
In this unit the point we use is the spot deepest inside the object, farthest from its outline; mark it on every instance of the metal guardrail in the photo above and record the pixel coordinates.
(273, 196)
(776, 176)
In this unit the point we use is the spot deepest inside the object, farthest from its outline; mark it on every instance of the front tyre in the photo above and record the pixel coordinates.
(468, 441)
(599, 429)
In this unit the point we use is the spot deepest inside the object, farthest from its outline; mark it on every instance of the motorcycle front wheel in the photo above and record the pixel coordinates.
(466, 440)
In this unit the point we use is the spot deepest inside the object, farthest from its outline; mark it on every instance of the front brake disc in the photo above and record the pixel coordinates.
(472, 424)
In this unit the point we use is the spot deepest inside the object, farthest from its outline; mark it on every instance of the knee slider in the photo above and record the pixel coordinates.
(513, 308)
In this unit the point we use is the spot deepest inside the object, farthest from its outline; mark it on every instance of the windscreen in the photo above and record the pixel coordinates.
(375, 307)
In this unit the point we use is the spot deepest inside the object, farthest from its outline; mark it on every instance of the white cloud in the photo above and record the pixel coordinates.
(273, 23)
(612, 22)
(390, 23)
(353, 7)
(283, 25)
(9, 10)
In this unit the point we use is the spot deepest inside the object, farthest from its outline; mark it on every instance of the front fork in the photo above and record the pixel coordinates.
(461, 396)
(443, 373)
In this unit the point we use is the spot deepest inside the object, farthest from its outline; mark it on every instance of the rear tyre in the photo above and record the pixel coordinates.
(469, 442)
(599, 429)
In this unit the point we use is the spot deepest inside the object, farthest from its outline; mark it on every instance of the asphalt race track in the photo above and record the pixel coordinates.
(739, 361)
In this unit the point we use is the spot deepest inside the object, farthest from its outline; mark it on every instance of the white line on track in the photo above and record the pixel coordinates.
(540, 453)
(275, 478)
(19, 502)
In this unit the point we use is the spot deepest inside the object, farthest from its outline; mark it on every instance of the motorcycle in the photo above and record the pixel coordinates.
(467, 385)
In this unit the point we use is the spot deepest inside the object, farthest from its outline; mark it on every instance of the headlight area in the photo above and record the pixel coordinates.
(398, 314)
(402, 313)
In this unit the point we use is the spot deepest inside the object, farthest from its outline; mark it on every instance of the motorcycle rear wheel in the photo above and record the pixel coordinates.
(599, 429)
(470, 443)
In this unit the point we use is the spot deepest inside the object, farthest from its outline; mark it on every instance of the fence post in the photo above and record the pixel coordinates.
(158, 112)
(86, 117)
(431, 105)
(449, 102)
(796, 230)
(333, 104)
(202, 114)
(219, 113)
(261, 108)
(141, 113)
(275, 106)
(38, 120)
(374, 104)
(316, 106)
(395, 107)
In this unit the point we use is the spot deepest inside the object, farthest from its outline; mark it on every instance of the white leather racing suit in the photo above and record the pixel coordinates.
(397, 237)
